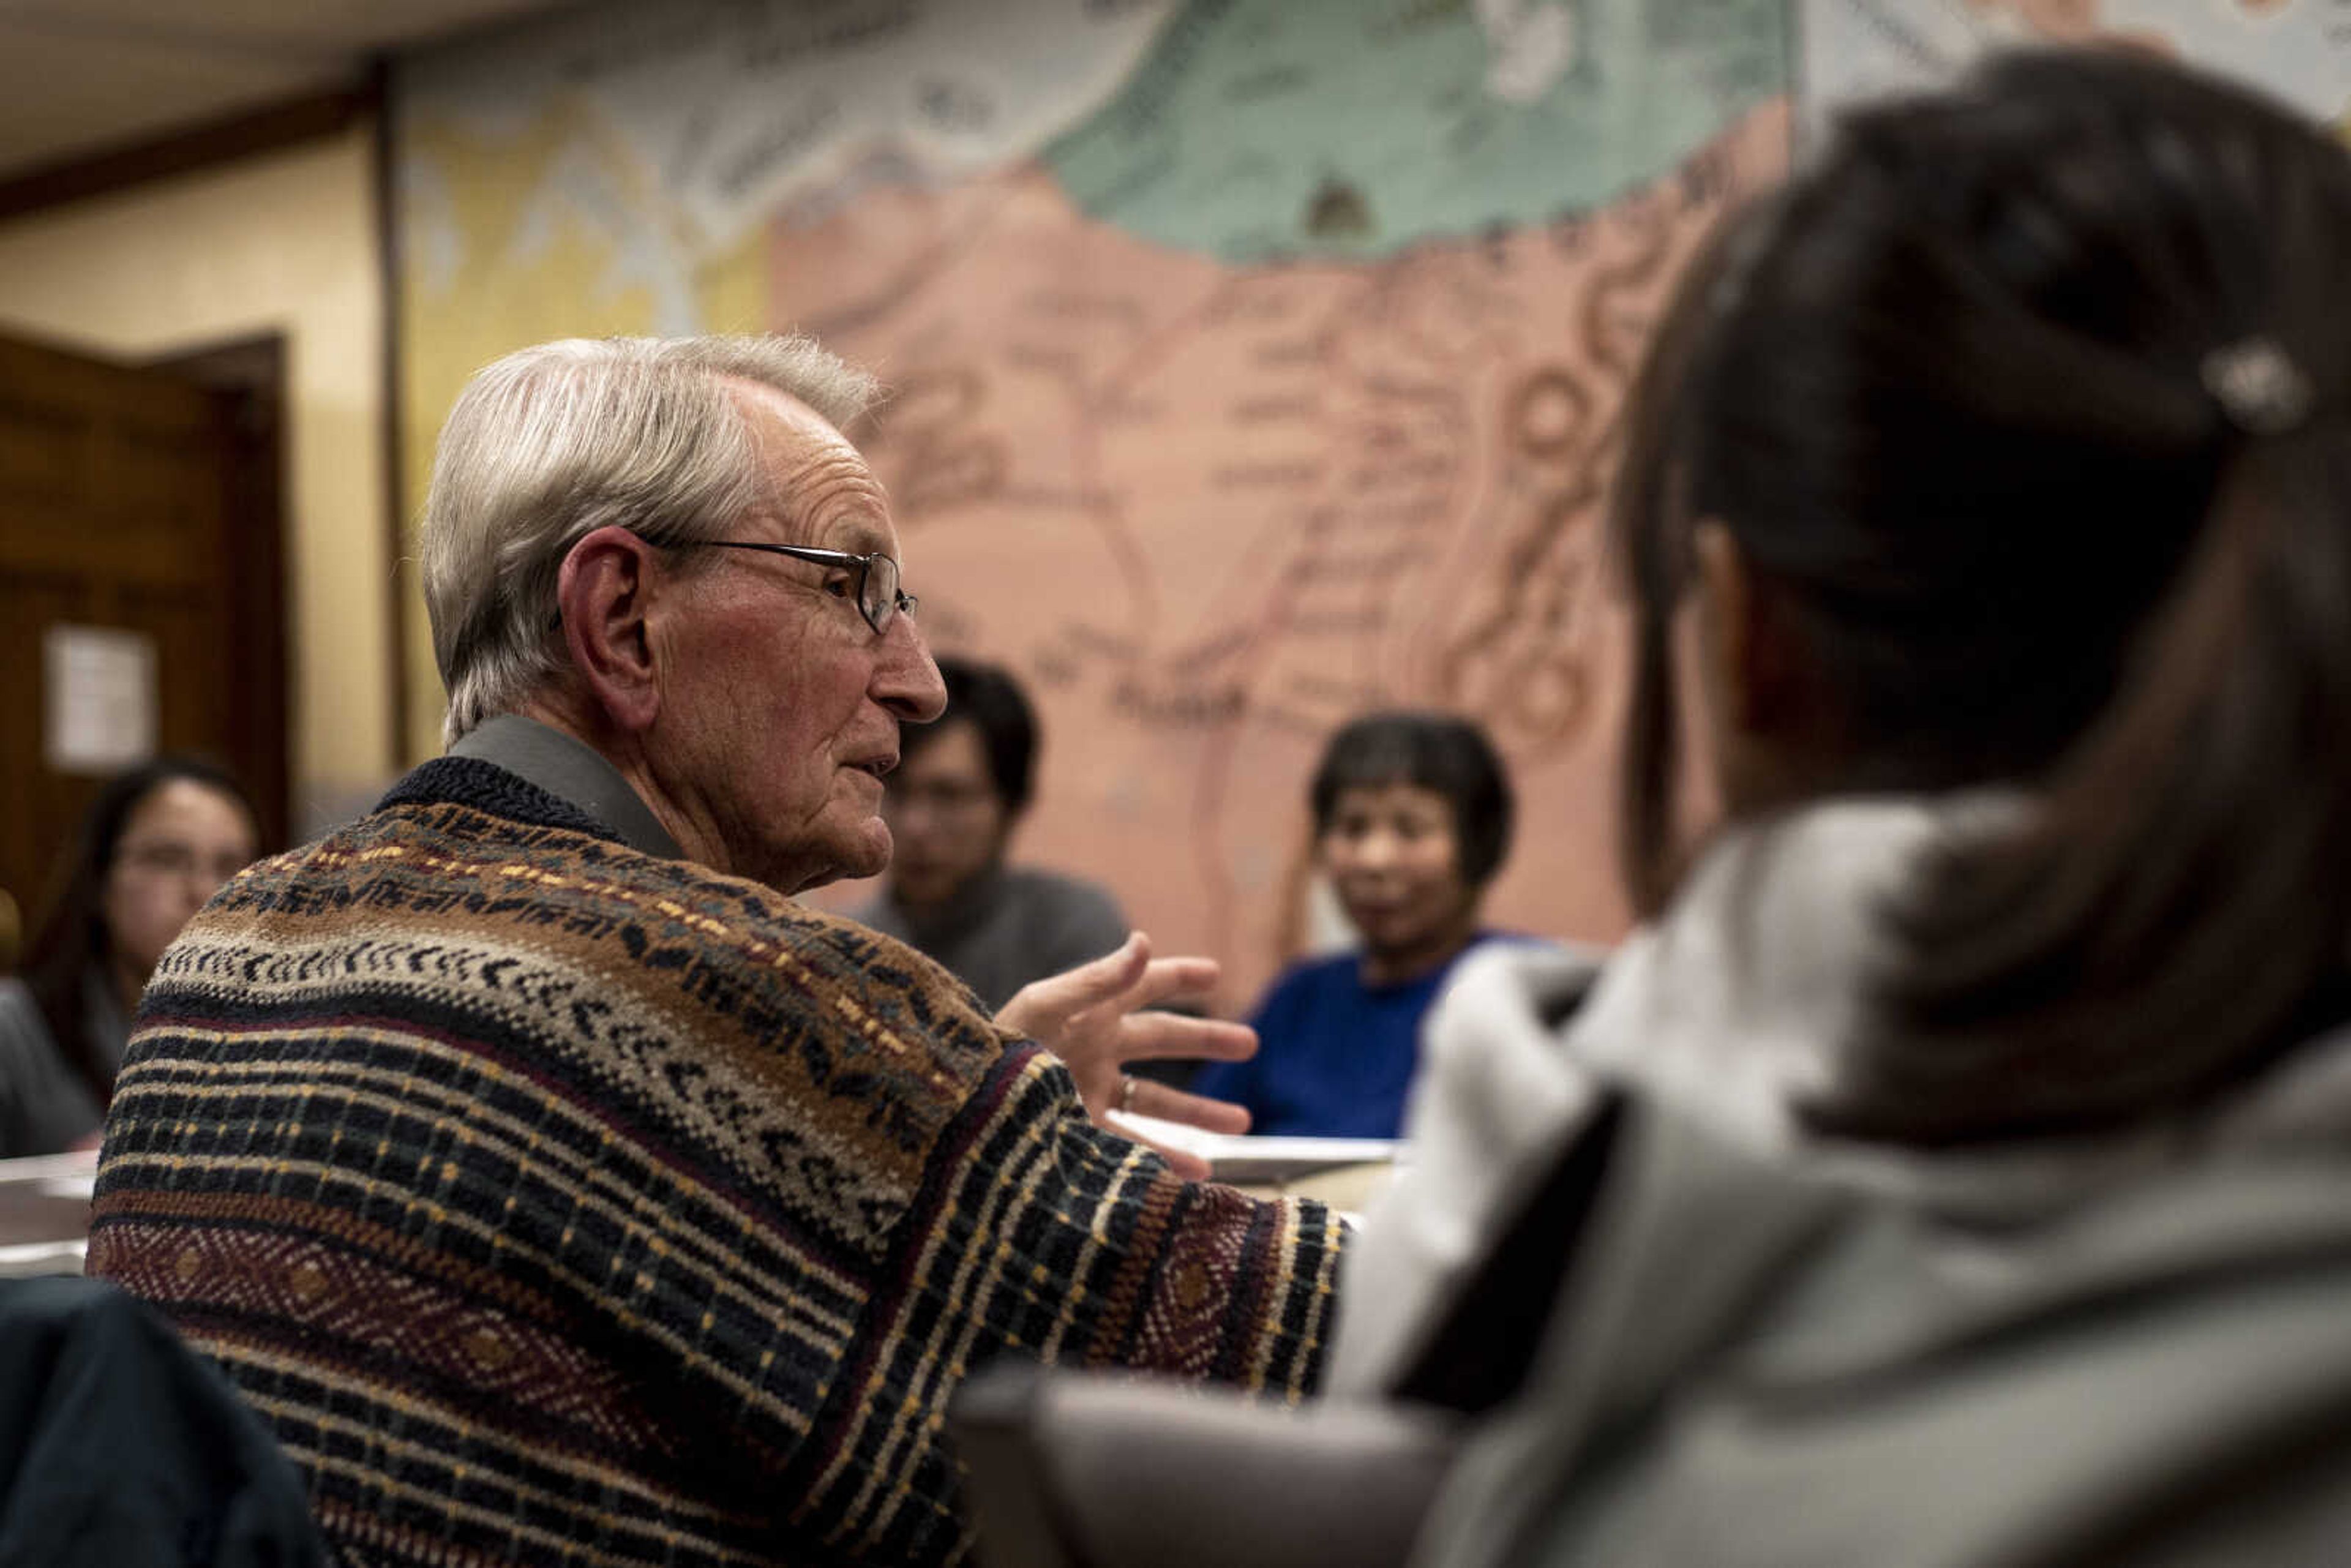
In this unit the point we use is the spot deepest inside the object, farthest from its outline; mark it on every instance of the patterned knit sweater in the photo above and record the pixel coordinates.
(563, 1204)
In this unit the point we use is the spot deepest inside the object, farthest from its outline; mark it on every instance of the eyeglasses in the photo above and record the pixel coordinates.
(878, 599)
(166, 860)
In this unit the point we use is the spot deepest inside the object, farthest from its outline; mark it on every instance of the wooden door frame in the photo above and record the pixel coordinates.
(248, 374)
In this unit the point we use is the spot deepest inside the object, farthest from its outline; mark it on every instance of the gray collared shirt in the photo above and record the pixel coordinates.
(572, 771)
(1007, 927)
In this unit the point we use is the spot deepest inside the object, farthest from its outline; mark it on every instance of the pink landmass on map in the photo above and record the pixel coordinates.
(1209, 511)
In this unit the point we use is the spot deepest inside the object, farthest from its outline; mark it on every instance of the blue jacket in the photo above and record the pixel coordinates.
(1336, 1056)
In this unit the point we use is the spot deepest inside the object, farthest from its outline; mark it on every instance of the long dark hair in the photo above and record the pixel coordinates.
(1970, 397)
(69, 941)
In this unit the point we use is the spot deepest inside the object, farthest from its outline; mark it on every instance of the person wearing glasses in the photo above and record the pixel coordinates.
(559, 1186)
(155, 841)
(960, 789)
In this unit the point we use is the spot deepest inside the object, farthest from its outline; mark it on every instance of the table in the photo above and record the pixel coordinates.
(1348, 1189)
(44, 1213)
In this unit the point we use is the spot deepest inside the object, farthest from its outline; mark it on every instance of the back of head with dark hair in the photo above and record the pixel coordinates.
(1963, 396)
(993, 701)
(1433, 751)
(70, 937)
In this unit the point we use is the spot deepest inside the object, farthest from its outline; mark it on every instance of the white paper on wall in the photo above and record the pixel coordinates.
(100, 698)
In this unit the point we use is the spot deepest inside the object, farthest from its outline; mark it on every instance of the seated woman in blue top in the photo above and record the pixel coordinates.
(1411, 816)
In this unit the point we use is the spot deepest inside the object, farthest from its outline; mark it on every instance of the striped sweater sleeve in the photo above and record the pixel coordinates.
(553, 1201)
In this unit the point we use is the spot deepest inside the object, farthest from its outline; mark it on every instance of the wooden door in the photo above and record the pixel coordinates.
(130, 501)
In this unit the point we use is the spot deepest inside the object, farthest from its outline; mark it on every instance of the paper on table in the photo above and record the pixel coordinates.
(1249, 1158)
(42, 1258)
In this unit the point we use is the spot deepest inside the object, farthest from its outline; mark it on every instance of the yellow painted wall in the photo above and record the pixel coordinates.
(283, 242)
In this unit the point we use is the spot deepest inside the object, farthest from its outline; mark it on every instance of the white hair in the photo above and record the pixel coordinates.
(554, 442)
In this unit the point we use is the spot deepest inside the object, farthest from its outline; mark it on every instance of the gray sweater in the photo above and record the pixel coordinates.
(45, 1106)
(1010, 926)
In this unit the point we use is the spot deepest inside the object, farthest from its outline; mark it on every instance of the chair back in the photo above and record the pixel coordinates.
(122, 1448)
(1071, 1471)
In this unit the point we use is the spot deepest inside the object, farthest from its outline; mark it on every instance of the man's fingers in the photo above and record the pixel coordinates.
(1184, 975)
(1040, 1008)
(1165, 1036)
(1170, 1103)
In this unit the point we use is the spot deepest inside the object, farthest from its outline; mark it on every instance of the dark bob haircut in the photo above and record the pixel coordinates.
(1432, 751)
(993, 701)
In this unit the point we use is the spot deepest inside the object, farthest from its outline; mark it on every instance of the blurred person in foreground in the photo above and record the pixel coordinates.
(561, 1189)
(961, 786)
(155, 843)
(1956, 1165)
(1412, 820)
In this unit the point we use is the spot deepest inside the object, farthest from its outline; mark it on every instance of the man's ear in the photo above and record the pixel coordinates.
(604, 592)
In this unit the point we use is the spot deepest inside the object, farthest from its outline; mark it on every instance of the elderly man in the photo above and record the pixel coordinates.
(560, 1189)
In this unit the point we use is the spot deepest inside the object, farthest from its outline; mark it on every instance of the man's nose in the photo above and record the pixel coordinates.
(906, 681)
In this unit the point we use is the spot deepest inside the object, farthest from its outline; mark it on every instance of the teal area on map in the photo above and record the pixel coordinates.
(1258, 129)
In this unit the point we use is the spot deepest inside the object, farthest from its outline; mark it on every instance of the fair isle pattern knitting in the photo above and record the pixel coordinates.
(559, 1203)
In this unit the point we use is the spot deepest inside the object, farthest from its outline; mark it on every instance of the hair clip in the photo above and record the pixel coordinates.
(2261, 390)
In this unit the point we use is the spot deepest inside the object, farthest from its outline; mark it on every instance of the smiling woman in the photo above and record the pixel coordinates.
(154, 844)
(1411, 818)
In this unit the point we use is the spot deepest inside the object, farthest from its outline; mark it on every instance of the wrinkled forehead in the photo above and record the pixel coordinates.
(821, 490)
